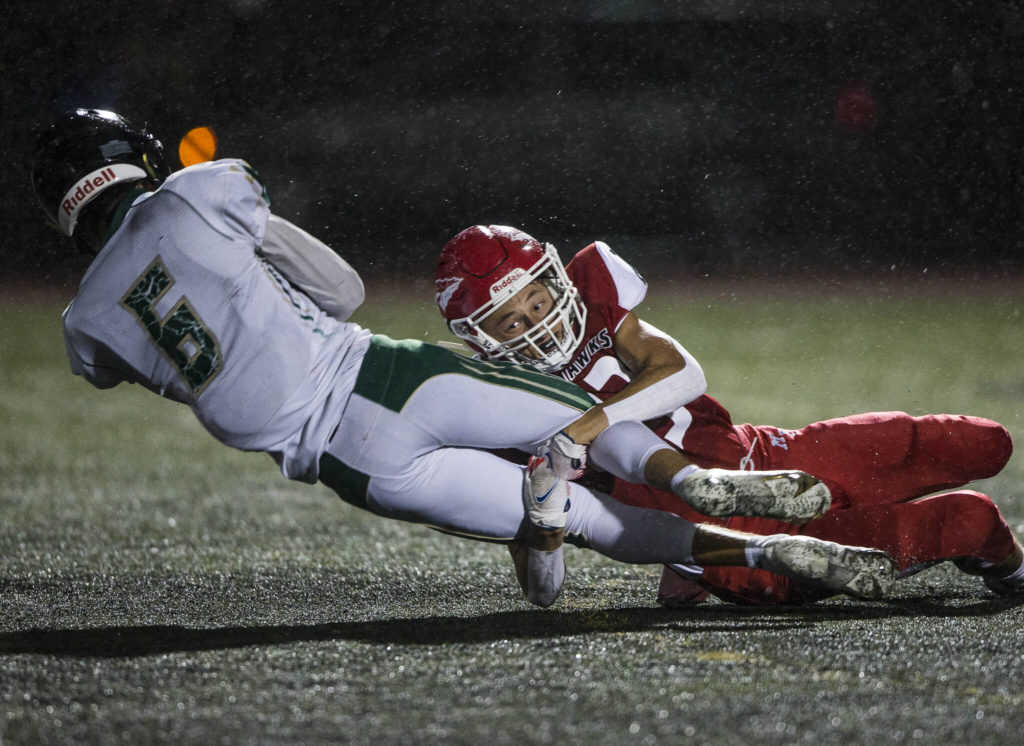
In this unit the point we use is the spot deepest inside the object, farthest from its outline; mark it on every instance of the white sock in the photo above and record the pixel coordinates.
(682, 474)
(754, 551)
(687, 571)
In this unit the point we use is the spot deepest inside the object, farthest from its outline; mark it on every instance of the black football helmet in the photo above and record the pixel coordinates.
(83, 153)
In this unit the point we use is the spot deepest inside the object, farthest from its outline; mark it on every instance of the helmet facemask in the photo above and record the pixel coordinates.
(550, 343)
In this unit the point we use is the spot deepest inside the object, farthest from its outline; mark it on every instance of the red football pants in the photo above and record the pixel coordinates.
(874, 464)
(885, 457)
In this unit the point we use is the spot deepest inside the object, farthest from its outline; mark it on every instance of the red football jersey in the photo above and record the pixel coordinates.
(610, 288)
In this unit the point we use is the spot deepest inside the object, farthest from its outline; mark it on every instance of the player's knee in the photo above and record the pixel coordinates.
(981, 446)
(985, 443)
(997, 444)
(974, 527)
(968, 508)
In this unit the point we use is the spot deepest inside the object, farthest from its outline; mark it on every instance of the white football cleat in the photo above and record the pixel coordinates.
(861, 572)
(792, 496)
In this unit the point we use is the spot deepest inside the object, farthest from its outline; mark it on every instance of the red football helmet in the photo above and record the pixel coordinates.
(482, 268)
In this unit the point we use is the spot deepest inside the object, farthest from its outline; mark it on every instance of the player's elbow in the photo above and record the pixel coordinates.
(351, 293)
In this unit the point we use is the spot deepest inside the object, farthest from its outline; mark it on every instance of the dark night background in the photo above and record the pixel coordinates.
(727, 137)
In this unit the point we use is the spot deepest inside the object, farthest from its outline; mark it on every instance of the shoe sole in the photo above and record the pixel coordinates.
(856, 571)
(782, 495)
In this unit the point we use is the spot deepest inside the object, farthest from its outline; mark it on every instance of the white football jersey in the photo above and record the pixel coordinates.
(179, 301)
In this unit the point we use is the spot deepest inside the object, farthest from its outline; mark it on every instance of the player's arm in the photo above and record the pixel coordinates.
(664, 377)
(540, 567)
(311, 265)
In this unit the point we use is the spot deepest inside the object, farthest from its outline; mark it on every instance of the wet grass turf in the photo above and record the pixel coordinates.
(157, 587)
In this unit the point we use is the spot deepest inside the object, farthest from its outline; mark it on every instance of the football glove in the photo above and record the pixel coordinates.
(566, 457)
(545, 494)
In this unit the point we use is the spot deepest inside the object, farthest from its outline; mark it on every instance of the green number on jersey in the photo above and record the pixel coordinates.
(180, 335)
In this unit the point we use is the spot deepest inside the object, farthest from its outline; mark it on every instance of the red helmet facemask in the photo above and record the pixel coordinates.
(484, 267)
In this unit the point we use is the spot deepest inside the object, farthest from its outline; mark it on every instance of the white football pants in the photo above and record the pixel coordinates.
(412, 445)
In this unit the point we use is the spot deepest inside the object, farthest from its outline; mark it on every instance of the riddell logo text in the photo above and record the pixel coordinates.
(87, 186)
(507, 280)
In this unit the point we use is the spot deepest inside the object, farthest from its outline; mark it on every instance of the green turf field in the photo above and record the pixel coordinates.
(157, 587)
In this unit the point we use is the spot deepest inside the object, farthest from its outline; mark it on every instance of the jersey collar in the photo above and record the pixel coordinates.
(122, 210)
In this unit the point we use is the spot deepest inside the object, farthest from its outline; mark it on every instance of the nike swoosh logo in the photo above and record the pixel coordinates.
(546, 495)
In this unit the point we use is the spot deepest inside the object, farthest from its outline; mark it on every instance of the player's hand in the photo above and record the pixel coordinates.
(566, 457)
(545, 494)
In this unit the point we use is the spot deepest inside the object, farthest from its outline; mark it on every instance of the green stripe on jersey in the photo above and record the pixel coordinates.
(351, 485)
(527, 379)
(393, 369)
(256, 177)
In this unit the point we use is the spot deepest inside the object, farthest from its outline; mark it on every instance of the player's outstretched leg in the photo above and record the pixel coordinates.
(964, 526)
(856, 571)
(1004, 578)
(643, 536)
(792, 496)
